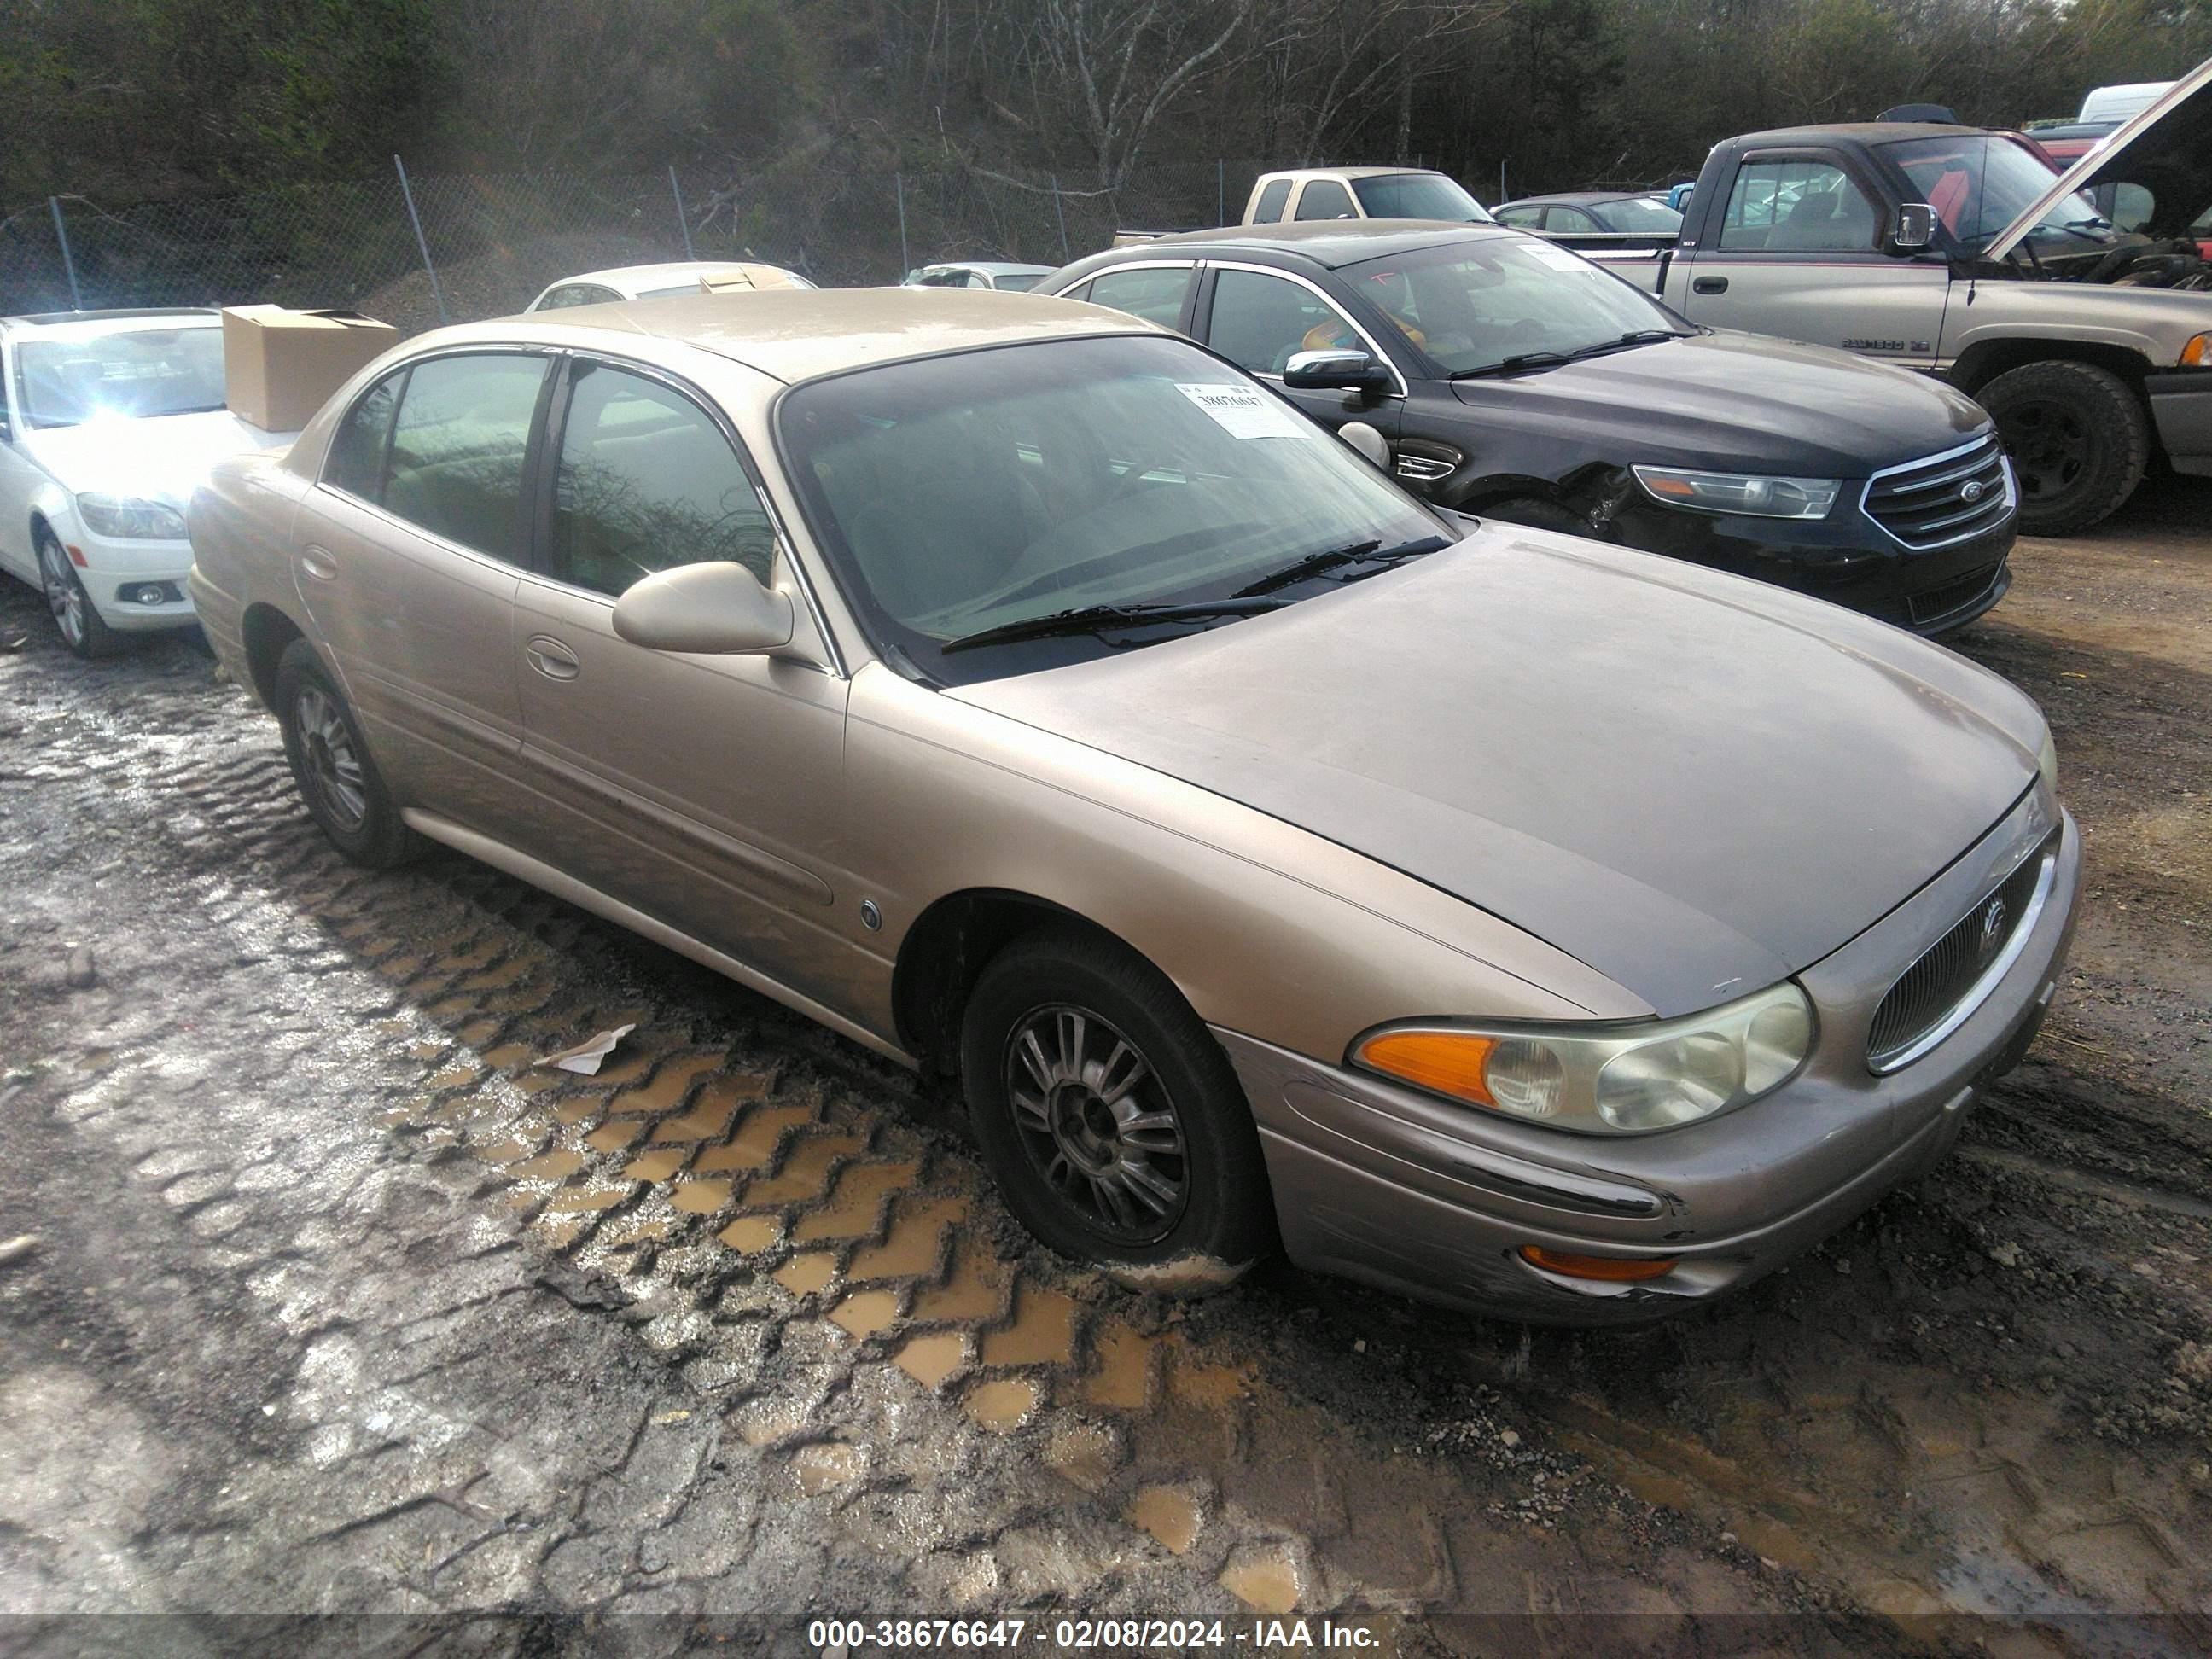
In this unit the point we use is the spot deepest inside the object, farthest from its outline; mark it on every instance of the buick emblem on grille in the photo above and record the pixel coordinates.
(1993, 925)
(1971, 490)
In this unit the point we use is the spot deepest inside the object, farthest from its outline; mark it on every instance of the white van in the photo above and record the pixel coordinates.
(2116, 103)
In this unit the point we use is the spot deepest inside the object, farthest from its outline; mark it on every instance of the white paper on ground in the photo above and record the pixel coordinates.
(584, 1057)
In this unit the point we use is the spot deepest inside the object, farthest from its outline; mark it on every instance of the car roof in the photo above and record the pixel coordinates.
(1342, 172)
(106, 322)
(1864, 133)
(803, 334)
(1583, 197)
(996, 267)
(1331, 242)
(637, 276)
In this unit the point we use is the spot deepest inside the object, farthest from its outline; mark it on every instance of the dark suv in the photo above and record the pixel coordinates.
(1514, 378)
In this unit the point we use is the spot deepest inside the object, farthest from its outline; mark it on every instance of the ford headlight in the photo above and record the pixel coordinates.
(1752, 493)
(1607, 1078)
(129, 518)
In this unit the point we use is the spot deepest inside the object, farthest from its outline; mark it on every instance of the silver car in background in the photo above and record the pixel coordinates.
(1529, 923)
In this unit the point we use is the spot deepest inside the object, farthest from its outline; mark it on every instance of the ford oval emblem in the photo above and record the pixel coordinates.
(1971, 490)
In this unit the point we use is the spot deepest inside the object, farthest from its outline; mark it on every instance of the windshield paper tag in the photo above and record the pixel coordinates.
(1559, 259)
(1245, 412)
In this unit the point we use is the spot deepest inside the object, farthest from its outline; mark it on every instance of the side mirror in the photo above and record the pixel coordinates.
(1914, 229)
(1369, 443)
(716, 609)
(1325, 371)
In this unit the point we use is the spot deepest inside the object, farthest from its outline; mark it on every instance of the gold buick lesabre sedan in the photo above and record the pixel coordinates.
(1545, 928)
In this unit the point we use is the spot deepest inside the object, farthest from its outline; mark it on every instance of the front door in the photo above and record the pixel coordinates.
(702, 790)
(21, 480)
(1260, 320)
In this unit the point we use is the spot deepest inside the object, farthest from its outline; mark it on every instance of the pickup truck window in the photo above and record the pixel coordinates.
(1324, 199)
(1798, 207)
(1270, 210)
(1418, 196)
(1978, 185)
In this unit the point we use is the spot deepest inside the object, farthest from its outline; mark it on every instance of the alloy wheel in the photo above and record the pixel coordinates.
(65, 594)
(2050, 448)
(333, 765)
(1097, 1123)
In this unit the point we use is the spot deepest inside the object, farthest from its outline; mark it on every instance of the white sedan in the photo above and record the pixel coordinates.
(108, 420)
(595, 288)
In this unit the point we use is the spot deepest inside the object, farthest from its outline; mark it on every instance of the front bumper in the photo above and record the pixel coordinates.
(112, 567)
(2181, 407)
(1846, 559)
(1382, 1184)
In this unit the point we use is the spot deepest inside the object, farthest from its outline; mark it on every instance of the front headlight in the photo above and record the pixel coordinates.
(129, 518)
(1752, 493)
(2046, 761)
(1606, 1079)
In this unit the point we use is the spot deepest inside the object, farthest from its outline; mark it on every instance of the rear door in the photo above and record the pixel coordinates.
(702, 790)
(407, 555)
(1799, 253)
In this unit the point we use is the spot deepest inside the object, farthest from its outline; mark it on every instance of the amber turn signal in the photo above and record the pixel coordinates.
(1449, 1062)
(1610, 1269)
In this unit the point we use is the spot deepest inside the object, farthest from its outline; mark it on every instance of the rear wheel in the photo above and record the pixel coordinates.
(2078, 441)
(1113, 1122)
(337, 781)
(75, 619)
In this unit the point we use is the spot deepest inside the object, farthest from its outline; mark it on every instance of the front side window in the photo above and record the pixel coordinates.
(1155, 293)
(355, 461)
(1270, 209)
(75, 374)
(976, 491)
(458, 447)
(1261, 322)
(1801, 207)
(648, 481)
(1473, 305)
(1417, 195)
(1324, 199)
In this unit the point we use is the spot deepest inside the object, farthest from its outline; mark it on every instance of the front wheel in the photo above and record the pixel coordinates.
(337, 780)
(2078, 439)
(76, 621)
(1537, 515)
(1110, 1116)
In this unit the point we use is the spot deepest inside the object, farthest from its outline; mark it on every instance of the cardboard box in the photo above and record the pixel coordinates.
(280, 366)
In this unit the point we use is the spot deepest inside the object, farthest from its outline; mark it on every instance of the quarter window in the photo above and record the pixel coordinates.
(647, 482)
(458, 447)
(1324, 199)
(356, 462)
(1259, 322)
(1270, 209)
(1155, 293)
(1798, 207)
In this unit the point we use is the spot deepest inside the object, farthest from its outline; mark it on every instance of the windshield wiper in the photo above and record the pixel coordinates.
(1634, 337)
(1314, 564)
(1520, 364)
(1090, 618)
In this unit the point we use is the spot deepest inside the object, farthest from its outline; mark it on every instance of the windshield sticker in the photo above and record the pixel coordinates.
(1558, 257)
(1245, 412)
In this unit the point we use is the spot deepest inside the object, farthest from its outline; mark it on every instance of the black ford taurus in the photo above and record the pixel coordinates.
(1514, 378)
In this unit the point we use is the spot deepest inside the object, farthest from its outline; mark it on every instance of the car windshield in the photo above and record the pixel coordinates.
(1473, 305)
(1018, 284)
(979, 490)
(1980, 184)
(1640, 216)
(126, 374)
(1418, 195)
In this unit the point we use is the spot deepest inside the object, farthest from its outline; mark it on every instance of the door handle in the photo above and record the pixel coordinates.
(1709, 285)
(551, 659)
(318, 563)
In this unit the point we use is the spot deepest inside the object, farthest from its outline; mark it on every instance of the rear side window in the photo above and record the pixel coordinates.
(576, 294)
(356, 462)
(1270, 209)
(1572, 221)
(647, 482)
(1798, 206)
(1155, 293)
(1526, 217)
(458, 447)
(1324, 199)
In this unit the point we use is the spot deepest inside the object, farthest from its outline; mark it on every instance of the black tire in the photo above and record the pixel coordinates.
(2079, 439)
(1062, 1169)
(1537, 515)
(337, 781)
(75, 618)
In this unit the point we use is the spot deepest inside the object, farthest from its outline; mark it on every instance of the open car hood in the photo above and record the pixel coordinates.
(2166, 148)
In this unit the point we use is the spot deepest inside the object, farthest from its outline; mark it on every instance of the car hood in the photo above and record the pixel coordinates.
(163, 460)
(1741, 403)
(2166, 148)
(1695, 784)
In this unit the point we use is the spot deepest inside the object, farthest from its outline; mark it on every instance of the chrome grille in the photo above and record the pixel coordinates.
(1945, 498)
(1951, 970)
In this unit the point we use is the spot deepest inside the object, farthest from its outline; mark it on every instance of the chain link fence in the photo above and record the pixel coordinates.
(416, 250)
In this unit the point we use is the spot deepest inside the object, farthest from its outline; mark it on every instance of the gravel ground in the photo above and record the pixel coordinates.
(336, 1306)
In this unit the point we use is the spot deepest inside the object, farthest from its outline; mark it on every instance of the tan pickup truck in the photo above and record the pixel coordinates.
(1347, 193)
